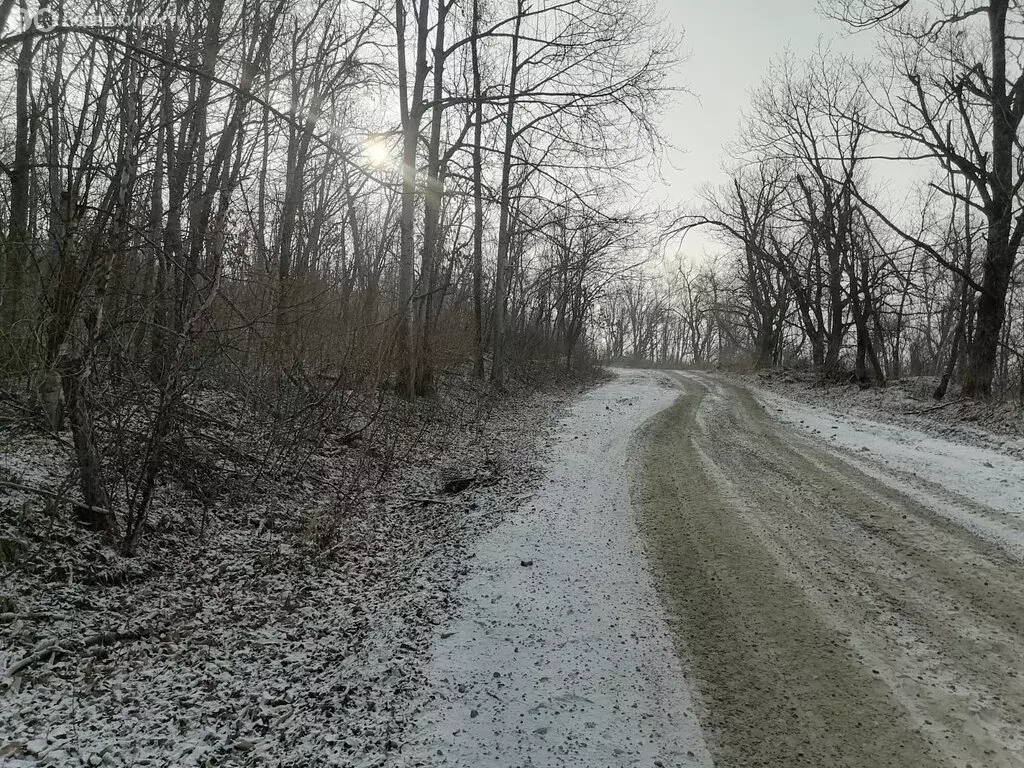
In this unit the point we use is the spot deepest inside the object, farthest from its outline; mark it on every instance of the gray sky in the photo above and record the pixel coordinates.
(730, 46)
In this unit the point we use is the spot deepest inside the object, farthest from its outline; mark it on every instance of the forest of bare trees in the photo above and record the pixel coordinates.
(305, 206)
(300, 206)
(873, 220)
(309, 453)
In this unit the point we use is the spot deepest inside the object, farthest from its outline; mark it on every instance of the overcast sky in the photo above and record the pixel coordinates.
(730, 46)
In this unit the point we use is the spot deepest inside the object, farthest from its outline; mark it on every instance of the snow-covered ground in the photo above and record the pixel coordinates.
(515, 625)
(991, 482)
(561, 655)
(906, 402)
(243, 641)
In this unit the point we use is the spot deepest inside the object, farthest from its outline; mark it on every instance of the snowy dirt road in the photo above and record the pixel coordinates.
(845, 594)
(561, 655)
(709, 574)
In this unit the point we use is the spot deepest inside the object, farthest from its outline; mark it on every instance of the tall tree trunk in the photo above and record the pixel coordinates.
(1000, 251)
(961, 332)
(478, 201)
(290, 269)
(431, 216)
(18, 248)
(991, 314)
(505, 223)
(411, 104)
(834, 343)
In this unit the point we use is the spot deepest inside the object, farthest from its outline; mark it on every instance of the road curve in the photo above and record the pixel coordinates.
(828, 619)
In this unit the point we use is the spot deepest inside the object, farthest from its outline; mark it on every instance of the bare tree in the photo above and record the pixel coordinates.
(961, 102)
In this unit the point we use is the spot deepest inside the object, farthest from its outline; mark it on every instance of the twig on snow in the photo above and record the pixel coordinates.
(935, 407)
(410, 500)
(52, 648)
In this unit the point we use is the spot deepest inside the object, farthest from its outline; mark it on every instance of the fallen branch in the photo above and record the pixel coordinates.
(34, 658)
(54, 496)
(427, 500)
(935, 407)
(51, 648)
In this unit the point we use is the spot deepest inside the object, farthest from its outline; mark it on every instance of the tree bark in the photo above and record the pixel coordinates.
(505, 222)
(411, 104)
(431, 216)
(478, 200)
(18, 242)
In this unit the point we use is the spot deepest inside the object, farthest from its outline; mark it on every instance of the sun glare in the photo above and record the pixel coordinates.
(378, 152)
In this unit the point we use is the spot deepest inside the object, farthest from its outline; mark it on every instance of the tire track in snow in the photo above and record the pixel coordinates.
(830, 619)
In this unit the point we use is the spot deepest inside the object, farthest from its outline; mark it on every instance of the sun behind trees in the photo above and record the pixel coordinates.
(290, 203)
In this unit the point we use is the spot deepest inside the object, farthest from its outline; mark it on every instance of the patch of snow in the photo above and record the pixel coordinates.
(978, 488)
(561, 655)
(908, 402)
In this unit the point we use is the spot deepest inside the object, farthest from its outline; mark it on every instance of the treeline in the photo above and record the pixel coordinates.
(874, 212)
(293, 204)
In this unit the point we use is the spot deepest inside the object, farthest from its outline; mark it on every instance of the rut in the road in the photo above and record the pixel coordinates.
(829, 620)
